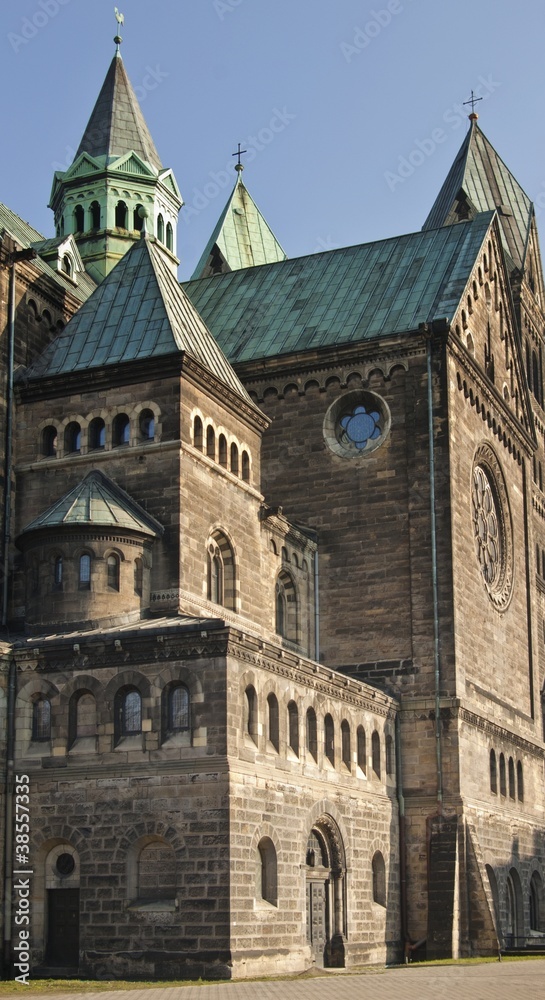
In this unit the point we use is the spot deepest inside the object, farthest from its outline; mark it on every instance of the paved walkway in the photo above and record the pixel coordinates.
(493, 981)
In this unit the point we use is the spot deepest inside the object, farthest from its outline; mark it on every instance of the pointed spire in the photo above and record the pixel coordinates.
(117, 124)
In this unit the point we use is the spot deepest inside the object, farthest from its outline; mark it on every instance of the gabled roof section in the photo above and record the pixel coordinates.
(479, 181)
(97, 502)
(25, 236)
(117, 124)
(340, 297)
(139, 311)
(242, 237)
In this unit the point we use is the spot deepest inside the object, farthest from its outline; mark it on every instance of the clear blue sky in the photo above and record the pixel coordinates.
(335, 99)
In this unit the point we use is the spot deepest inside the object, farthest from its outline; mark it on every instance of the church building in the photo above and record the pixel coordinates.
(273, 583)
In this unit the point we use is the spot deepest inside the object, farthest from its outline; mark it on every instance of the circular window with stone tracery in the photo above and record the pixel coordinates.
(492, 530)
(356, 423)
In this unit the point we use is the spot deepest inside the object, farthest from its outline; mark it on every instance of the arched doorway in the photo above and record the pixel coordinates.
(62, 927)
(325, 894)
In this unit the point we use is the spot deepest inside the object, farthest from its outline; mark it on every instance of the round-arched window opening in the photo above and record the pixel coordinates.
(356, 424)
(147, 425)
(65, 864)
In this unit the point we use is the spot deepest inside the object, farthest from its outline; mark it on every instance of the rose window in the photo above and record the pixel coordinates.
(485, 523)
(360, 426)
(492, 527)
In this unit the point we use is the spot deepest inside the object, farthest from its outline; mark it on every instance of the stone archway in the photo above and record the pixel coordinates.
(325, 894)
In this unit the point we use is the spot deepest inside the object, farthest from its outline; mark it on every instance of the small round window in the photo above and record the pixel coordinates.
(356, 424)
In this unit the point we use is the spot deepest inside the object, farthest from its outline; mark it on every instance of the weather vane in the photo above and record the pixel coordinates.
(239, 166)
(473, 100)
(120, 18)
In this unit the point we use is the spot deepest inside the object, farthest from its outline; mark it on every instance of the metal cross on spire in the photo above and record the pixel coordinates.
(239, 166)
(473, 101)
(120, 18)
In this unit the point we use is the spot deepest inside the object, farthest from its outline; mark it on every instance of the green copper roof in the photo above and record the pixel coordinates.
(25, 236)
(138, 311)
(117, 124)
(342, 296)
(477, 182)
(97, 502)
(241, 238)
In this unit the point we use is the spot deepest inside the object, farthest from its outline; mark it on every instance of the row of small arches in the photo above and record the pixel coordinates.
(508, 780)
(488, 418)
(127, 706)
(99, 434)
(336, 747)
(123, 215)
(228, 456)
(83, 569)
(44, 317)
(353, 380)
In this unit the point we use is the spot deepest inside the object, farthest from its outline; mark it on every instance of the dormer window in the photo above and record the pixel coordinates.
(67, 265)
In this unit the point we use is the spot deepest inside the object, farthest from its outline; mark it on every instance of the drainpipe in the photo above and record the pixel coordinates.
(428, 334)
(8, 818)
(402, 840)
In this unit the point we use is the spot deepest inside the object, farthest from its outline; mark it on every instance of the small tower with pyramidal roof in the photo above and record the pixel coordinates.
(116, 180)
(241, 238)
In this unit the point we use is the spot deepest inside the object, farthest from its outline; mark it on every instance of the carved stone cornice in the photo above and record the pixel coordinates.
(500, 733)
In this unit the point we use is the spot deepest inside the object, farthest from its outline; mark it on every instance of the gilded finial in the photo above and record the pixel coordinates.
(120, 18)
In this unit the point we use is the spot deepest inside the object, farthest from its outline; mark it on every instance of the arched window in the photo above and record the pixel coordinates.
(503, 785)
(137, 220)
(97, 433)
(221, 585)
(389, 747)
(72, 438)
(170, 238)
(178, 709)
(84, 576)
(57, 573)
(121, 215)
(234, 459)
(361, 749)
(493, 773)
(67, 265)
(121, 430)
(113, 571)
(267, 878)
(160, 228)
(329, 739)
(537, 914)
(79, 222)
(345, 744)
(156, 872)
(197, 433)
(272, 709)
(511, 771)
(312, 733)
(222, 447)
(375, 752)
(41, 719)
(94, 212)
(147, 425)
(379, 879)
(138, 576)
(520, 782)
(286, 607)
(210, 442)
(82, 716)
(293, 727)
(245, 467)
(128, 713)
(49, 441)
(251, 712)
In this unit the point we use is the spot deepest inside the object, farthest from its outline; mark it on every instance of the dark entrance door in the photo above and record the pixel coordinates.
(317, 919)
(63, 928)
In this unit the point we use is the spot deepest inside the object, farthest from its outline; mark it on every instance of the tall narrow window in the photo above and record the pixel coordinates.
(361, 749)
(389, 748)
(94, 211)
(138, 576)
(329, 739)
(178, 709)
(267, 881)
(251, 712)
(493, 773)
(121, 215)
(272, 707)
(197, 433)
(41, 719)
(503, 784)
(312, 733)
(79, 223)
(72, 438)
(160, 228)
(221, 584)
(121, 430)
(520, 782)
(128, 712)
(293, 727)
(113, 572)
(511, 772)
(379, 879)
(210, 442)
(375, 752)
(97, 433)
(82, 716)
(345, 744)
(137, 219)
(170, 239)
(215, 574)
(49, 441)
(147, 425)
(84, 579)
(280, 610)
(222, 447)
(234, 459)
(57, 573)
(245, 467)
(286, 607)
